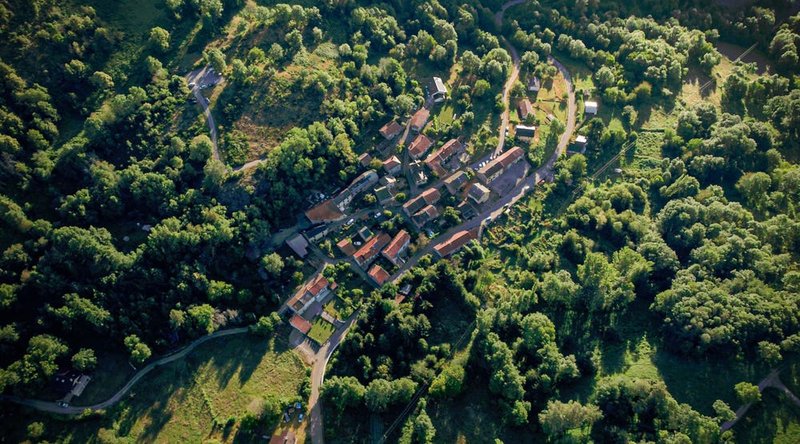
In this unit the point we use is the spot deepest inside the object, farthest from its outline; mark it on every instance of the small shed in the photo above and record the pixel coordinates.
(590, 107)
(438, 90)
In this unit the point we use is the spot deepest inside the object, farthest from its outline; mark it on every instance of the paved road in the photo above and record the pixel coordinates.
(490, 213)
(771, 380)
(53, 407)
(512, 78)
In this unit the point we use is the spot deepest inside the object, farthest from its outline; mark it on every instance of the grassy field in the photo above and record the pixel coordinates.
(321, 330)
(196, 399)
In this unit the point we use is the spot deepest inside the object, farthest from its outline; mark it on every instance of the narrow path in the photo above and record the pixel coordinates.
(53, 407)
(198, 78)
(773, 380)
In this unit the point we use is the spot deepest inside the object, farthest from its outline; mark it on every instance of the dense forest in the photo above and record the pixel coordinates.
(127, 228)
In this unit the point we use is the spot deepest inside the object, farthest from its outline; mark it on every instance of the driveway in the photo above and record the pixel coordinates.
(200, 77)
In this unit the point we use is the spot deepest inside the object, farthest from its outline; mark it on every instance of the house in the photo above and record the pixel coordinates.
(590, 108)
(524, 109)
(419, 119)
(455, 242)
(438, 90)
(501, 163)
(425, 215)
(370, 250)
(364, 159)
(427, 197)
(378, 274)
(383, 194)
(300, 324)
(419, 146)
(316, 232)
(362, 182)
(455, 182)
(346, 246)
(326, 211)
(525, 131)
(315, 291)
(80, 385)
(392, 165)
(534, 84)
(389, 181)
(467, 211)
(364, 233)
(418, 173)
(390, 130)
(396, 247)
(435, 159)
(580, 140)
(299, 245)
(479, 193)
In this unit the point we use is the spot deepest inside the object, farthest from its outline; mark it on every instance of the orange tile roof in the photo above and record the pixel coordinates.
(371, 248)
(524, 108)
(317, 285)
(391, 162)
(397, 244)
(420, 117)
(419, 146)
(391, 129)
(346, 245)
(324, 212)
(431, 195)
(378, 274)
(300, 324)
(455, 242)
(435, 159)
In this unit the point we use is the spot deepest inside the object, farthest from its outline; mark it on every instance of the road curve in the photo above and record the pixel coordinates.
(512, 78)
(53, 407)
(545, 172)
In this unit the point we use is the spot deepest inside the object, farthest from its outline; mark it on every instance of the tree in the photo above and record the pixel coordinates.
(84, 360)
(723, 411)
(605, 77)
(200, 149)
(343, 392)
(35, 430)
(39, 363)
(139, 351)
(748, 393)
(202, 317)
(770, 353)
(559, 418)
(449, 382)
(378, 395)
(273, 264)
(216, 59)
(266, 325)
(159, 38)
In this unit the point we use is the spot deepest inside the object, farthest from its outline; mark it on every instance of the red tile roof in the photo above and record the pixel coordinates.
(390, 163)
(397, 244)
(419, 118)
(300, 324)
(419, 146)
(524, 108)
(317, 285)
(378, 274)
(431, 195)
(371, 248)
(455, 242)
(391, 129)
(324, 212)
(435, 159)
(346, 245)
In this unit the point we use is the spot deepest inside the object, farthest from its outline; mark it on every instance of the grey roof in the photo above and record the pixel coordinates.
(438, 85)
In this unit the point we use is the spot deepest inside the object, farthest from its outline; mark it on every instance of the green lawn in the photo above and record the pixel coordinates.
(321, 330)
(180, 402)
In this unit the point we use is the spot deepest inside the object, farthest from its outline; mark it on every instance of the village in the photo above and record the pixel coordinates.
(411, 197)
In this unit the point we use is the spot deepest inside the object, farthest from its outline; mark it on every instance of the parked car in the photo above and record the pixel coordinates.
(300, 417)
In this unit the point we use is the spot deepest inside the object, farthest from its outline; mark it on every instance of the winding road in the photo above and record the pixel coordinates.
(323, 355)
(54, 407)
(545, 172)
(773, 380)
